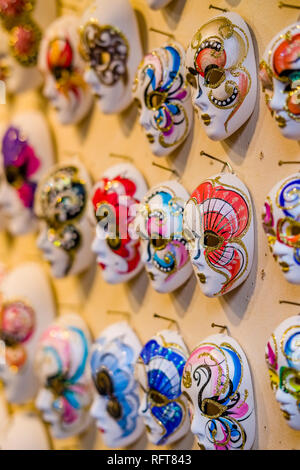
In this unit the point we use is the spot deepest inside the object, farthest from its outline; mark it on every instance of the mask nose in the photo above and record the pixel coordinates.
(44, 400)
(91, 79)
(145, 118)
(277, 102)
(279, 249)
(42, 239)
(99, 246)
(200, 99)
(281, 396)
(97, 408)
(50, 90)
(143, 409)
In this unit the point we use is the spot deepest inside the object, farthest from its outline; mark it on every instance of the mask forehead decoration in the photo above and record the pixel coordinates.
(218, 385)
(164, 98)
(281, 222)
(115, 199)
(283, 361)
(159, 371)
(280, 79)
(159, 224)
(218, 224)
(221, 70)
(61, 365)
(116, 406)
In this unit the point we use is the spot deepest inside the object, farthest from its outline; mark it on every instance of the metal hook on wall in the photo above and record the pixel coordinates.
(288, 5)
(119, 312)
(118, 155)
(164, 33)
(213, 7)
(226, 164)
(287, 162)
(223, 327)
(172, 322)
(171, 170)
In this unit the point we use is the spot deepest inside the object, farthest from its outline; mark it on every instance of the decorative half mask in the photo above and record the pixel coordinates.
(26, 154)
(159, 371)
(63, 68)
(164, 99)
(111, 47)
(217, 382)
(281, 222)
(61, 365)
(159, 224)
(218, 224)
(157, 4)
(23, 22)
(283, 360)
(116, 405)
(62, 204)
(115, 200)
(27, 309)
(280, 79)
(221, 70)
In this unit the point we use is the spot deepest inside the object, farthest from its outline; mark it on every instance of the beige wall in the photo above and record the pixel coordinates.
(252, 311)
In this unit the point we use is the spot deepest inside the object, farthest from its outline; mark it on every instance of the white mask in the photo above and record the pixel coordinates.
(27, 309)
(279, 74)
(116, 405)
(283, 360)
(118, 251)
(159, 223)
(221, 70)
(35, 437)
(26, 154)
(218, 224)
(23, 23)
(111, 46)
(157, 4)
(217, 382)
(62, 368)
(164, 98)
(281, 222)
(66, 231)
(159, 371)
(63, 68)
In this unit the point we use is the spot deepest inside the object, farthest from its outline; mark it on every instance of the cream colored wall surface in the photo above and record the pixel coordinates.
(252, 311)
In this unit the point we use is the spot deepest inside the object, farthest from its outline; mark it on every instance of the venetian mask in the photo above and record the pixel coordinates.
(116, 405)
(283, 360)
(61, 365)
(66, 230)
(115, 200)
(217, 382)
(218, 224)
(281, 222)
(159, 224)
(164, 99)
(23, 22)
(27, 309)
(280, 79)
(221, 70)
(156, 4)
(111, 47)
(26, 154)
(159, 371)
(63, 68)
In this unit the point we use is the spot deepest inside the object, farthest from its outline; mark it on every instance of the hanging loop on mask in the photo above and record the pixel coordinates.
(223, 327)
(124, 157)
(171, 170)
(164, 33)
(119, 312)
(226, 164)
(224, 10)
(288, 5)
(287, 162)
(172, 322)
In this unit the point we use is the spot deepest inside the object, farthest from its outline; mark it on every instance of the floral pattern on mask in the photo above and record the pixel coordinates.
(106, 49)
(17, 325)
(112, 365)
(68, 384)
(20, 165)
(113, 202)
(163, 366)
(160, 87)
(216, 372)
(218, 67)
(63, 199)
(225, 215)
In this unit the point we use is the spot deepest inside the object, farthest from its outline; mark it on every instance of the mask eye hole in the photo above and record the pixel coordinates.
(114, 409)
(157, 398)
(191, 79)
(56, 384)
(294, 230)
(214, 76)
(212, 240)
(103, 383)
(114, 242)
(212, 408)
(103, 58)
(159, 243)
(14, 175)
(156, 99)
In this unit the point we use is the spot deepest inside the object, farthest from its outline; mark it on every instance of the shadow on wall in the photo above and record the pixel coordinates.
(136, 290)
(182, 297)
(127, 119)
(178, 159)
(186, 443)
(172, 13)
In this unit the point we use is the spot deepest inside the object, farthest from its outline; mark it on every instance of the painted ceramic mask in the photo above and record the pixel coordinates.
(66, 231)
(115, 200)
(283, 360)
(280, 79)
(23, 22)
(27, 309)
(281, 222)
(26, 154)
(63, 68)
(61, 365)
(156, 4)
(221, 70)
(159, 224)
(159, 371)
(111, 47)
(164, 99)
(116, 405)
(217, 382)
(218, 223)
